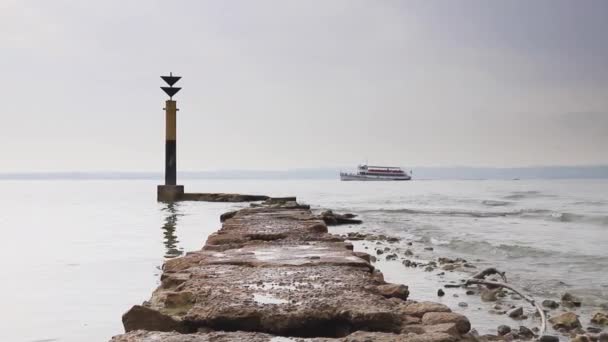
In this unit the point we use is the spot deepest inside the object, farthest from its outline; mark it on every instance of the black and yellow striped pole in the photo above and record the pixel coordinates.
(170, 191)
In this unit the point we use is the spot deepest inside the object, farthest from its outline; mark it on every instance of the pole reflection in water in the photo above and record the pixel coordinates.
(170, 241)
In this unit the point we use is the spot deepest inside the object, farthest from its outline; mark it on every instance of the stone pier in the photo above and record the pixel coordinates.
(274, 273)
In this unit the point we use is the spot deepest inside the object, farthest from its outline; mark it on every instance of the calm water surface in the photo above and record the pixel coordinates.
(78, 254)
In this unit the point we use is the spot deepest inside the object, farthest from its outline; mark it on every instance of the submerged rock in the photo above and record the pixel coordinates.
(548, 338)
(488, 295)
(570, 300)
(551, 304)
(567, 320)
(440, 293)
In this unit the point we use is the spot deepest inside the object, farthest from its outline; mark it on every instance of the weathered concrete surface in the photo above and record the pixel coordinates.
(221, 197)
(240, 336)
(276, 270)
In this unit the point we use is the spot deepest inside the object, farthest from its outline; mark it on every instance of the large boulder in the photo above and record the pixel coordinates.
(462, 323)
(567, 320)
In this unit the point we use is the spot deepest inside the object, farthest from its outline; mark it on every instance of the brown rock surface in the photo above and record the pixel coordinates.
(275, 270)
(600, 318)
(567, 320)
(433, 318)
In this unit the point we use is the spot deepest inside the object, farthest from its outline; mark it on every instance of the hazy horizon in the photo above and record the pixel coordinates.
(419, 173)
(286, 84)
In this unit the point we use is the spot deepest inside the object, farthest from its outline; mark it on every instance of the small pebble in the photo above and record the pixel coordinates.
(463, 304)
(440, 293)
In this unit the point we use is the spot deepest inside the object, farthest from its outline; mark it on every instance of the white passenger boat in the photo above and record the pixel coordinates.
(376, 173)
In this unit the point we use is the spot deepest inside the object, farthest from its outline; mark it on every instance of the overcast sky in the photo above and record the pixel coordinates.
(285, 84)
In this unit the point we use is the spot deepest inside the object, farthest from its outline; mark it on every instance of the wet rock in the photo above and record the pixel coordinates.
(551, 304)
(570, 301)
(379, 251)
(462, 323)
(548, 338)
(600, 318)
(594, 330)
(408, 252)
(448, 267)
(463, 304)
(516, 313)
(446, 260)
(580, 338)
(332, 219)
(603, 337)
(470, 292)
(503, 330)
(497, 312)
(363, 256)
(440, 293)
(525, 333)
(392, 256)
(393, 291)
(428, 248)
(356, 236)
(141, 317)
(409, 263)
(227, 215)
(567, 321)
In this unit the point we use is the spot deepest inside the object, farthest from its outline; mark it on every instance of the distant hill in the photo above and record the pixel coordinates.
(547, 172)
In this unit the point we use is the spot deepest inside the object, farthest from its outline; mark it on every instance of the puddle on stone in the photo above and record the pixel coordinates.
(266, 299)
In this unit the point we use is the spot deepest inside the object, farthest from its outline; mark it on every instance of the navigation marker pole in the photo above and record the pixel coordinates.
(170, 191)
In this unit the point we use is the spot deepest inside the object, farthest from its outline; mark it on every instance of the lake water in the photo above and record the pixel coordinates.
(78, 254)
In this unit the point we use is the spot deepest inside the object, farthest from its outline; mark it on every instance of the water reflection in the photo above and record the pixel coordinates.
(171, 242)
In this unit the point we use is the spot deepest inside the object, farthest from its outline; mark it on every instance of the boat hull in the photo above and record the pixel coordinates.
(354, 177)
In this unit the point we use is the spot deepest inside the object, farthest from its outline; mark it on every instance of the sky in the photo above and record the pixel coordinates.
(294, 84)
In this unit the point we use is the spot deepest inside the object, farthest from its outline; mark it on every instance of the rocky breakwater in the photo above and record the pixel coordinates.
(275, 273)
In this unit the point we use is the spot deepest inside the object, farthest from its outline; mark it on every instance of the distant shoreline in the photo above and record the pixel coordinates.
(419, 173)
